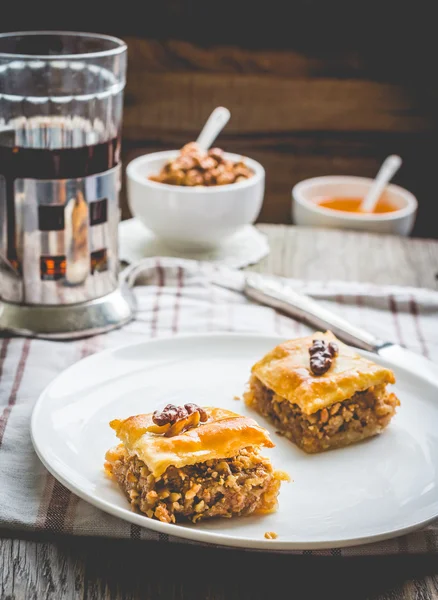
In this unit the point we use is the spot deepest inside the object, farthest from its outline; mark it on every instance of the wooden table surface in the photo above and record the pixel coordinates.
(32, 566)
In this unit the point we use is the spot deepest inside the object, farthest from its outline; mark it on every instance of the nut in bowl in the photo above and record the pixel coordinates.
(322, 202)
(196, 167)
(190, 212)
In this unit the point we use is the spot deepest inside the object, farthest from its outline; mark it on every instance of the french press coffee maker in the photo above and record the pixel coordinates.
(61, 102)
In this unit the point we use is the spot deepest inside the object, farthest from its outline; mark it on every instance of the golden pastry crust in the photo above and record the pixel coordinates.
(222, 436)
(286, 371)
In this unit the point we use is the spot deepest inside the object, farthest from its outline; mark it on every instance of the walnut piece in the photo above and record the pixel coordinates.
(173, 420)
(184, 424)
(196, 167)
(321, 356)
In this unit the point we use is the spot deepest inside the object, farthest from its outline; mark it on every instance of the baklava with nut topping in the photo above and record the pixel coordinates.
(321, 394)
(192, 463)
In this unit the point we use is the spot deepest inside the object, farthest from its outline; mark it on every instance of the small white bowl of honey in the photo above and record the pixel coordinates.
(335, 202)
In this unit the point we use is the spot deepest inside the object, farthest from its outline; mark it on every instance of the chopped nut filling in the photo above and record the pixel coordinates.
(363, 415)
(240, 485)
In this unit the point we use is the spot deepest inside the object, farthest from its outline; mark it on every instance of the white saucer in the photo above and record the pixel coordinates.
(371, 491)
(246, 247)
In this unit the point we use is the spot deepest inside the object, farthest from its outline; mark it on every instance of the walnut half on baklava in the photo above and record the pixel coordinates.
(197, 463)
(322, 394)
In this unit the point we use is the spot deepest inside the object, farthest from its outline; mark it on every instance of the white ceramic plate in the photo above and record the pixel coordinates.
(378, 489)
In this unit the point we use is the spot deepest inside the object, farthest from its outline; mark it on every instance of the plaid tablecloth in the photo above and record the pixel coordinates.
(175, 296)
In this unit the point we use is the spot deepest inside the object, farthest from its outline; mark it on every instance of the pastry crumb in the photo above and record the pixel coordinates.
(271, 535)
(236, 398)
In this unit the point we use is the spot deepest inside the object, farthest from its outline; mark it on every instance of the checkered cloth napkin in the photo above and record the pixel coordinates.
(176, 296)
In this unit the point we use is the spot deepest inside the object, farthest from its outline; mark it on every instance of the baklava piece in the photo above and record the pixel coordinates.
(321, 394)
(192, 463)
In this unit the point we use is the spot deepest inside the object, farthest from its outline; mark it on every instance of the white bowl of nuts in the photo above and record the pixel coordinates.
(193, 199)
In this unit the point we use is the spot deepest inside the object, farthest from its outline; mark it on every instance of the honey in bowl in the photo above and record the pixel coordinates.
(353, 204)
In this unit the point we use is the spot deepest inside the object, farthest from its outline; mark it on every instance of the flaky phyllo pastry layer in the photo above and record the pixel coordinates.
(209, 470)
(347, 403)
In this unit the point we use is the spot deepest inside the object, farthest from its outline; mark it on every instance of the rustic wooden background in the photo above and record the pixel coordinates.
(314, 87)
